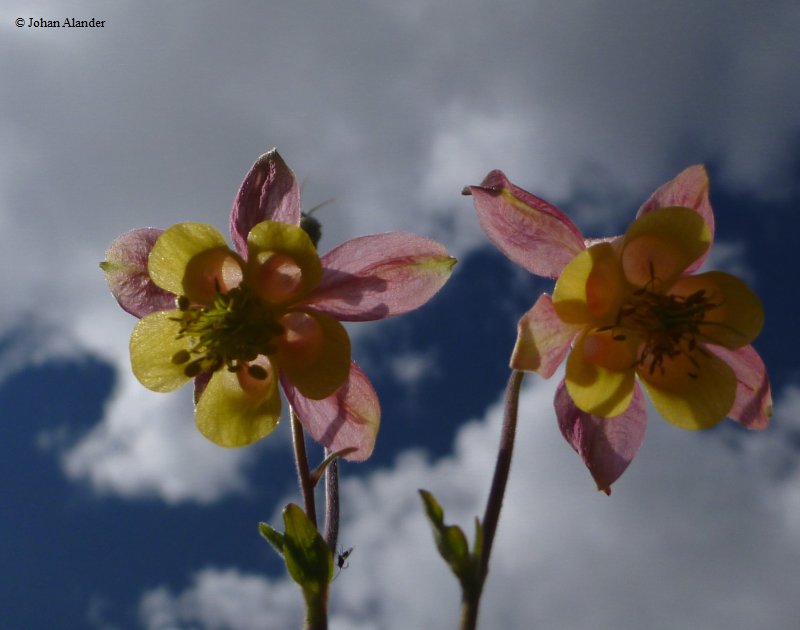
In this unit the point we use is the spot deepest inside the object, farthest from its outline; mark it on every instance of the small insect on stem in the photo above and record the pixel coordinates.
(341, 560)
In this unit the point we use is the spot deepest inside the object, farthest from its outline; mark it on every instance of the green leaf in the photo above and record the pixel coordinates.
(317, 473)
(432, 507)
(452, 543)
(477, 547)
(308, 557)
(273, 537)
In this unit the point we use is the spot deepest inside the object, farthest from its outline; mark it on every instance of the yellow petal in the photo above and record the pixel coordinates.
(591, 287)
(174, 250)
(691, 396)
(153, 344)
(269, 238)
(661, 244)
(317, 371)
(594, 388)
(738, 317)
(230, 416)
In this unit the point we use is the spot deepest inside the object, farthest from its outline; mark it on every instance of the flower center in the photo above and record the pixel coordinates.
(666, 325)
(236, 329)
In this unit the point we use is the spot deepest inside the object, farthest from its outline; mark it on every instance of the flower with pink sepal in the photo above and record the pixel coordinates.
(242, 321)
(628, 310)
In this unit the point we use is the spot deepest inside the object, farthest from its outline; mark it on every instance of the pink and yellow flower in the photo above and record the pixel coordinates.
(242, 321)
(628, 310)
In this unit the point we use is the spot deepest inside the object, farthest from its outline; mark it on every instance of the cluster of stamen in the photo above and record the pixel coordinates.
(232, 332)
(667, 325)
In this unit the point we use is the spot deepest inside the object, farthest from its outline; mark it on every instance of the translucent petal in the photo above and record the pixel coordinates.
(153, 345)
(542, 339)
(348, 419)
(739, 317)
(661, 244)
(378, 276)
(125, 268)
(269, 192)
(229, 416)
(320, 374)
(531, 232)
(691, 394)
(753, 405)
(596, 389)
(606, 445)
(175, 248)
(271, 237)
(690, 190)
(591, 287)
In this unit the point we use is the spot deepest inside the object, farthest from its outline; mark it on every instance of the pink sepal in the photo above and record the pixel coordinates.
(606, 445)
(542, 339)
(348, 418)
(690, 190)
(752, 407)
(269, 192)
(125, 268)
(378, 276)
(530, 231)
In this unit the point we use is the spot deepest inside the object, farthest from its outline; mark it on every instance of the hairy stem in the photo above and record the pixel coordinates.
(303, 474)
(331, 534)
(471, 600)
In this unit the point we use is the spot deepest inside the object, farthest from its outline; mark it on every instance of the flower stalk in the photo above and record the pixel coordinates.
(331, 532)
(303, 472)
(471, 596)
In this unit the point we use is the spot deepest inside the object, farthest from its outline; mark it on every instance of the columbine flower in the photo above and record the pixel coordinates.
(628, 311)
(240, 321)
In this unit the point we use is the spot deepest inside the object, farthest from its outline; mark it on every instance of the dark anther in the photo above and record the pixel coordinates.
(181, 357)
(183, 302)
(256, 371)
(193, 369)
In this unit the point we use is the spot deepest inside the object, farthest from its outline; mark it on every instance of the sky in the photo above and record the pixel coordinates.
(116, 513)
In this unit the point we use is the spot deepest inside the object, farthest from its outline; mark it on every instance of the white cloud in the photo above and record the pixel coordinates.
(408, 368)
(147, 446)
(223, 599)
(731, 257)
(697, 534)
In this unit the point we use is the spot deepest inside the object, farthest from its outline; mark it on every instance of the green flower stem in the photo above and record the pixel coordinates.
(471, 599)
(331, 534)
(317, 611)
(303, 474)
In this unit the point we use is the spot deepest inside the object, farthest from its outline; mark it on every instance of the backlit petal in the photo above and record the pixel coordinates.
(531, 232)
(319, 374)
(542, 339)
(737, 319)
(348, 418)
(661, 244)
(229, 416)
(125, 267)
(380, 276)
(606, 445)
(689, 395)
(596, 389)
(153, 344)
(272, 237)
(269, 192)
(690, 190)
(753, 405)
(591, 287)
(174, 250)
